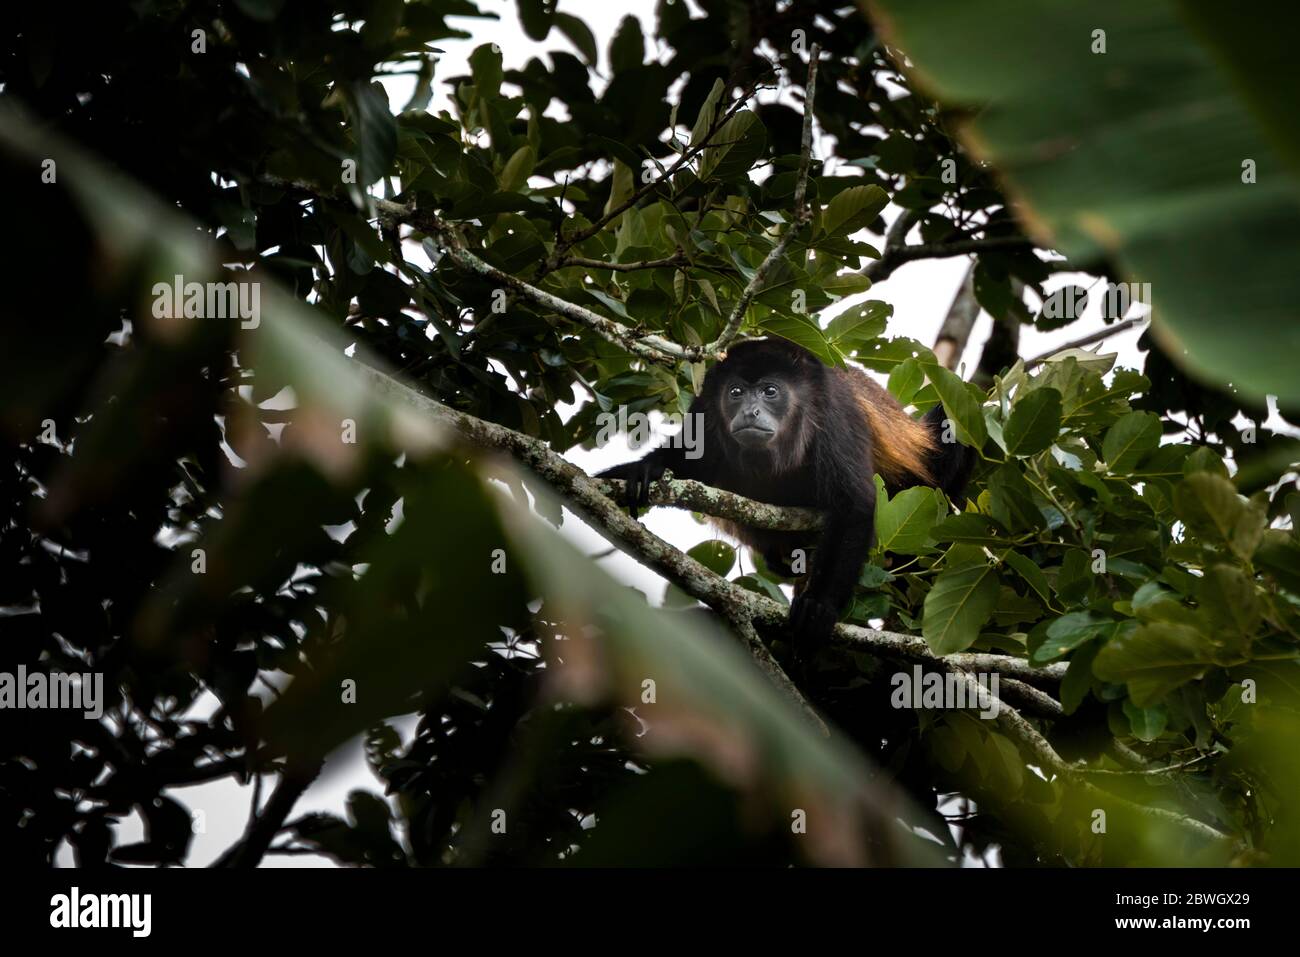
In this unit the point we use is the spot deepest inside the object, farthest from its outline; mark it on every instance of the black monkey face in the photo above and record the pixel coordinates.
(756, 411)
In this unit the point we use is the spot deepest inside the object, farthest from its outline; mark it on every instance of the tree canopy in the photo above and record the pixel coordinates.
(337, 502)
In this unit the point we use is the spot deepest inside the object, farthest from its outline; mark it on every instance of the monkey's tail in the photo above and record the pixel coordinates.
(950, 461)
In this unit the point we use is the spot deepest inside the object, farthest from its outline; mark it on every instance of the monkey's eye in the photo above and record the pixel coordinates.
(735, 392)
(770, 391)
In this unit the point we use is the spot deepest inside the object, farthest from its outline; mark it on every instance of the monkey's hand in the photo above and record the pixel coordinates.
(811, 622)
(639, 476)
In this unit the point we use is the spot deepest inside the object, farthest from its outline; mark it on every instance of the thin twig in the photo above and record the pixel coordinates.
(805, 153)
(676, 259)
(802, 216)
(568, 242)
(1099, 336)
(1016, 727)
(1164, 769)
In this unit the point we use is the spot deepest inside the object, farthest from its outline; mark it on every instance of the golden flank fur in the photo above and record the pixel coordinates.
(904, 449)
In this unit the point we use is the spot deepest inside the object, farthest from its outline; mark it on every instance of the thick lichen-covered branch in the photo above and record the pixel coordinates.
(719, 503)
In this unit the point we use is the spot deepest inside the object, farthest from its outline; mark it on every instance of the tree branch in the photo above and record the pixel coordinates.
(719, 503)
(266, 824)
(953, 335)
(1017, 728)
(1099, 336)
(676, 259)
(805, 153)
(892, 257)
(802, 215)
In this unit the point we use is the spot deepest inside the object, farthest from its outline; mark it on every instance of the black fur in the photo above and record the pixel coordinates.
(950, 462)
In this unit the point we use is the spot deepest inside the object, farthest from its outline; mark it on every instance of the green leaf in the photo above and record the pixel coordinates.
(850, 284)
(1107, 154)
(579, 35)
(1011, 499)
(1154, 659)
(1034, 422)
(762, 586)
(1210, 506)
(708, 112)
(873, 576)
(906, 380)
(485, 67)
(867, 607)
(1078, 677)
(1231, 602)
(853, 209)
(903, 523)
(715, 555)
(383, 20)
(1032, 574)
(517, 169)
(804, 333)
(1129, 439)
(883, 355)
(375, 131)
(627, 49)
(537, 17)
(971, 528)
(1070, 631)
(1011, 766)
(958, 605)
(1279, 555)
(860, 323)
(1147, 723)
(962, 407)
(741, 141)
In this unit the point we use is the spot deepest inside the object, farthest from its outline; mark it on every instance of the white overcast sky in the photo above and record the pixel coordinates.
(920, 293)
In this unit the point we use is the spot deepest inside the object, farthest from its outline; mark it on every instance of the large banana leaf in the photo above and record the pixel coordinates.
(1138, 152)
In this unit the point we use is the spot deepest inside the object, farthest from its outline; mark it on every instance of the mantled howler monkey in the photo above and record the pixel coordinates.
(781, 427)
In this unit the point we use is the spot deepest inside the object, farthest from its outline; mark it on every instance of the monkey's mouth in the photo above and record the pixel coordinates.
(751, 435)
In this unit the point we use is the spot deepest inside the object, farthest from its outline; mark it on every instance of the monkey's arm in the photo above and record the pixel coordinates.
(841, 551)
(644, 472)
